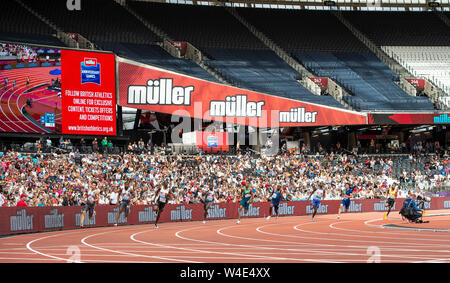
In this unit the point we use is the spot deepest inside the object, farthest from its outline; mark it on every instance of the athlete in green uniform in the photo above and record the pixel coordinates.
(247, 196)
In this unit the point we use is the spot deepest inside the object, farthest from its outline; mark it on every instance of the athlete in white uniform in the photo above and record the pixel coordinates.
(89, 206)
(161, 197)
(317, 196)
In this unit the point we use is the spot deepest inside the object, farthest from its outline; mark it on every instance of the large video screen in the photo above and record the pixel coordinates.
(56, 91)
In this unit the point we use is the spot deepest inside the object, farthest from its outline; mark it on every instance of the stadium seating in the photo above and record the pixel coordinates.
(103, 20)
(156, 56)
(430, 62)
(303, 29)
(264, 71)
(234, 51)
(366, 77)
(327, 48)
(401, 28)
(19, 25)
(202, 26)
(316, 38)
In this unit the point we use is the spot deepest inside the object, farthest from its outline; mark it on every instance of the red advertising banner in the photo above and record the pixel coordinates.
(15, 220)
(418, 83)
(323, 82)
(88, 93)
(408, 118)
(150, 88)
(212, 141)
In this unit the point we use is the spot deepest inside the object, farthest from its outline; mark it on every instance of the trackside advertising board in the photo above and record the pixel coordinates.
(150, 88)
(14, 220)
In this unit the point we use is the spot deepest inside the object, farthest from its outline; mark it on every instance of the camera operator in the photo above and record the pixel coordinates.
(421, 200)
(410, 210)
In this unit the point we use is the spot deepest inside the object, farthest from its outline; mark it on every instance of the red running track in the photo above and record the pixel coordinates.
(356, 237)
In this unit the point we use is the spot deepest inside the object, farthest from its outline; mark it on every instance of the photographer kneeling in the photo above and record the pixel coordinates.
(410, 210)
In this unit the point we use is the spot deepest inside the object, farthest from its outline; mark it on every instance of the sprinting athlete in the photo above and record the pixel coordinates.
(391, 195)
(91, 200)
(274, 201)
(346, 200)
(207, 201)
(161, 197)
(124, 206)
(318, 195)
(247, 196)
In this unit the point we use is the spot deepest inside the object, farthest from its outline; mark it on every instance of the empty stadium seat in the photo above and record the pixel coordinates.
(401, 28)
(303, 29)
(369, 80)
(19, 25)
(202, 26)
(263, 71)
(103, 20)
(430, 62)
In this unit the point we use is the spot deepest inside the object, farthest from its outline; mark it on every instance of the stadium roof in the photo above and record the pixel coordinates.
(362, 5)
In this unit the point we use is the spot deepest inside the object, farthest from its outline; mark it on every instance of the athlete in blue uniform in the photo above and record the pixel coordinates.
(247, 196)
(346, 200)
(124, 206)
(318, 195)
(274, 201)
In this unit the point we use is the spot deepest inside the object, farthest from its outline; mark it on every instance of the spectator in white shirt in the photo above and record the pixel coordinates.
(113, 197)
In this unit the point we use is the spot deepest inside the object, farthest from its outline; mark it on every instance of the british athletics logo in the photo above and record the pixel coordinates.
(90, 71)
(212, 141)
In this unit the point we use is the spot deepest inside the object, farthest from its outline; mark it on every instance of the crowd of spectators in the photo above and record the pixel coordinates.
(65, 179)
(23, 53)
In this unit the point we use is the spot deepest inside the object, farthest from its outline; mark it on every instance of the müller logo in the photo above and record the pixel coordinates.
(90, 71)
(235, 106)
(147, 215)
(160, 92)
(441, 119)
(54, 220)
(252, 211)
(216, 212)
(113, 214)
(298, 115)
(90, 61)
(181, 213)
(21, 221)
